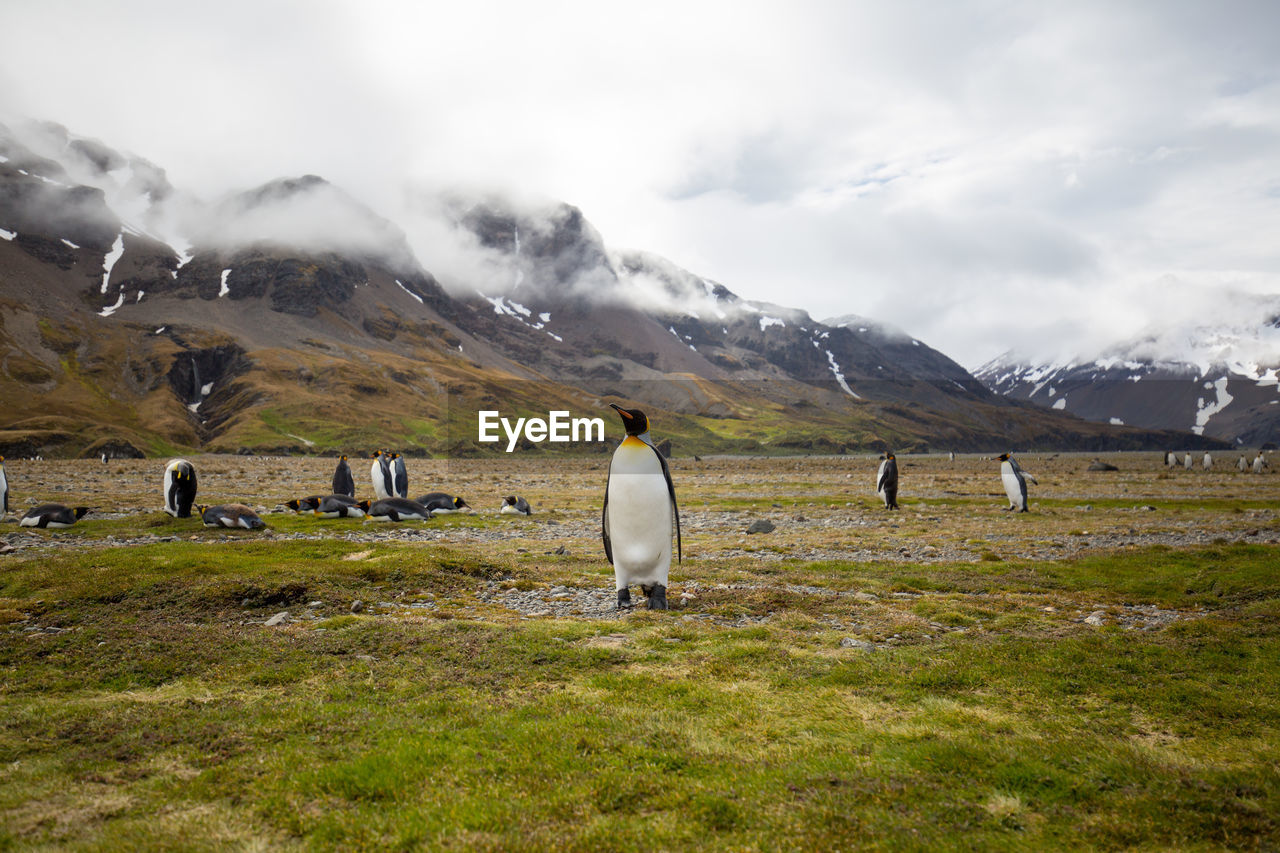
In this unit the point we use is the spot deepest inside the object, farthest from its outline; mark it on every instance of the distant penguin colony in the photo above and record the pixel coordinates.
(1015, 482)
(179, 488)
(639, 512)
(52, 516)
(343, 482)
(4, 491)
(443, 503)
(887, 480)
(230, 515)
(512, 505)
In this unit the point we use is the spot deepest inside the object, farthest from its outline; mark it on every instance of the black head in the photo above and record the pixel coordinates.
(1003, 457)
(509, 500)
(635, 421)
(80, 511)
(342, 458)
(375, 454)
(459, 503)
(889, 455)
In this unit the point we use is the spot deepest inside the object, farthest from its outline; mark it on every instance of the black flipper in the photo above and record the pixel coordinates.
(604, 532)
(675, 509)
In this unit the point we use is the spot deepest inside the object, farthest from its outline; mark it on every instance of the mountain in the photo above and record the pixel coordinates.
(1219, 379)
(292, 317)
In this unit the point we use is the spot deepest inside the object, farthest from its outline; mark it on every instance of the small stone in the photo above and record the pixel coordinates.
(357, 606)
(761, 525)
(1097, 618)
(315, 604)
(860, 645)
(281, 618)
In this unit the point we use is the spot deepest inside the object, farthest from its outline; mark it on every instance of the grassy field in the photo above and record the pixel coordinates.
(1101, 673)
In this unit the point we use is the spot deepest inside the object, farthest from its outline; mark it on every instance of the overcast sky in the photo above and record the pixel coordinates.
(986, 175)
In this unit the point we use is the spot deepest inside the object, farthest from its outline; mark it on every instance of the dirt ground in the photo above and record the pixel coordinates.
(822, 507)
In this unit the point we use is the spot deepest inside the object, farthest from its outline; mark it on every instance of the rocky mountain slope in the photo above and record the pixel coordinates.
(292, 317)
(1220, 380)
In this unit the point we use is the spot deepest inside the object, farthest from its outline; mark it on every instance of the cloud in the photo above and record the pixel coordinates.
(982, 174)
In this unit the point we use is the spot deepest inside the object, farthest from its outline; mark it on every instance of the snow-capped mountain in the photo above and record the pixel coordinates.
(1220, 380)
(294, 316)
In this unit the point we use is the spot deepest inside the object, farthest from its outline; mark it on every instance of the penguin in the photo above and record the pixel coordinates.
(1171, 459)
(1243, 464)
(230, 515)
(339, 506)
(1259, 463)
(343, 482)
(399, 481)
(52, 516)
(307, 504)
(951, 456)
(4, 491)
(512, 505)
(441, 503)
(380, 473)
(639, 506)
(179, 488)
(1207, 461)
(887, 480)
(395, 509)
(1015, 482)
(1186, 462)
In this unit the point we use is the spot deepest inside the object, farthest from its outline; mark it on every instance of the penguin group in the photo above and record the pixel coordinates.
(389, 478)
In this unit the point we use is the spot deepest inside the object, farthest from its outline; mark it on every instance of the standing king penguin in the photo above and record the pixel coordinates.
(380, 473)
(179, 488)
(1015, 482)
(4, 491)
(399, 477)
(887, 481)
(639, 506)
(343, 482)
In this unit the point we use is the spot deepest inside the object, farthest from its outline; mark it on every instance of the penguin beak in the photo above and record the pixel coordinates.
(620, 410)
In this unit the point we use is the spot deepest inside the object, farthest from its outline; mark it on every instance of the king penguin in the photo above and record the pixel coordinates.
(52, 515)
(4, 491)
(399, 477)
(380, 473)
(513, 505)
(639, 508)
(443, 503)
(1015, 482)
(1242, 465)
(230, 515)
(179, 488)
(1259, 462)
(1186, 461)
(887, 481)
(343, 482)
(1207, 461)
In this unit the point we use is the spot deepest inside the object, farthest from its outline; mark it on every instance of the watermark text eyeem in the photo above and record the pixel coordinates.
(558, 427)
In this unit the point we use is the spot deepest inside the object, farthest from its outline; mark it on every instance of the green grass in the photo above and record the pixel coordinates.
(161, 720)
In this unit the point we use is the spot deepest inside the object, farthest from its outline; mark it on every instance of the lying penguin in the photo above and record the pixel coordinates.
(512, 505)
(230, 515)
(339, 506)
(442, 502)
(395, 509)
(52, 516)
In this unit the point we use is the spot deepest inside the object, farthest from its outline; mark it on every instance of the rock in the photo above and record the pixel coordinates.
(315, 604)
(357, 606)
(281, 618)
(860, 645)
(1097, 618)
(761, 525)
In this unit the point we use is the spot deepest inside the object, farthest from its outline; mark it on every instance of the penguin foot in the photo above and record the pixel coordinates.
(624, 598)
(657, 595)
